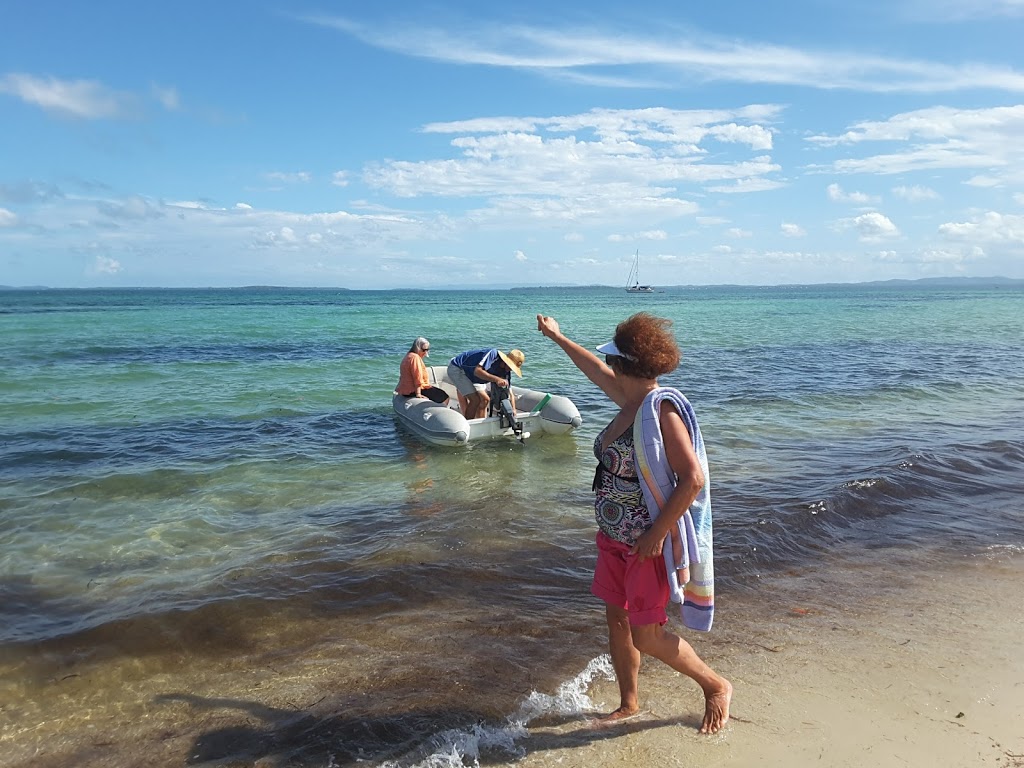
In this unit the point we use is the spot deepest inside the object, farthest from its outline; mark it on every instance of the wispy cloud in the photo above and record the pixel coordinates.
(837, 194)
(85, 99)
(653, 234)
(168, 97)
(7, 218)
(946, 11)
(915, 194)
(668, 55)
(939, 138)
(290, 177)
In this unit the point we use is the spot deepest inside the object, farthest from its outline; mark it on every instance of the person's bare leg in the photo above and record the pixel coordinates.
(653, 640)
(477, 405)
(463, 404)
(625, 662)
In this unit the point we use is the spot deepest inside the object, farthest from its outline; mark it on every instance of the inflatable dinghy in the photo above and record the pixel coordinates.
(536, 413)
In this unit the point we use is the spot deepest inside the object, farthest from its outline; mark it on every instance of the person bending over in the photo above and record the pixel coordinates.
(471, 372)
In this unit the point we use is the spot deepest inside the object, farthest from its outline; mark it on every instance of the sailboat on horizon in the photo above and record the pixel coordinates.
(633, 282)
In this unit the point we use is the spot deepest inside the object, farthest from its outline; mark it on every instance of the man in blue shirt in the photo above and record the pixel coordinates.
(472, 371)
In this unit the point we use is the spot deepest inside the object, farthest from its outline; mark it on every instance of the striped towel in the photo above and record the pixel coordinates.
(697, 593)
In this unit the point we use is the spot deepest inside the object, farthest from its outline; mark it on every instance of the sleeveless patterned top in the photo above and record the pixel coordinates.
(619, 506)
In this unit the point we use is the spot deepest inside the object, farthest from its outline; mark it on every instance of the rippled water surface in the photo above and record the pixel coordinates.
(176, 465)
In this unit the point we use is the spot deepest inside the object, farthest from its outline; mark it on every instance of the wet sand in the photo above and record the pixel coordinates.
(886, 658)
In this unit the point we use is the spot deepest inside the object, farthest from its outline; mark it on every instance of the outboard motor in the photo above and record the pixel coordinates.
(501, 406)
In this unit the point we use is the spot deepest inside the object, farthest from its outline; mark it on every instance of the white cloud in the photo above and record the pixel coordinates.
(106, 265)
(739, 233)
(86, 99)
(871, 227)
(168, 97)
(519, 256)
(602, 165)
(134, 207)
(243, 207)
(8, 218)
(754, 136)
(836, 194)
(939, 138)
(583, 55)
(983, 181)
(574, 237)
(290, 177)
(748, 185)
(915, 194)
(944, 258)
(654, 234)
(340, 179)
(989, 228)
(793, 230)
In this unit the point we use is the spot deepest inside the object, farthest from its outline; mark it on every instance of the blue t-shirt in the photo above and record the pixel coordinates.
(468, 361)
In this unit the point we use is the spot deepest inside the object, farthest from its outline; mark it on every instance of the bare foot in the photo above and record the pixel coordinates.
(716, 709)
(622, 713)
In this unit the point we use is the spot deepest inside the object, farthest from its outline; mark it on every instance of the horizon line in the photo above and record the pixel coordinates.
(944, 279)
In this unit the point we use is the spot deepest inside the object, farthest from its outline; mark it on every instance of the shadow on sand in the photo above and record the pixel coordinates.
(285, 738)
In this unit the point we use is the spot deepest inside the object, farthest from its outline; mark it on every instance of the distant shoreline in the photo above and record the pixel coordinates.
(932, 282)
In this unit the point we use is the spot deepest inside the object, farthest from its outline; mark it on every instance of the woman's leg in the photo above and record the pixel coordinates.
(653, 640)
(625, 661)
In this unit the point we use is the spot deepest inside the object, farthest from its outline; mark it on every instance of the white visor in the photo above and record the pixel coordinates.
(609, 348)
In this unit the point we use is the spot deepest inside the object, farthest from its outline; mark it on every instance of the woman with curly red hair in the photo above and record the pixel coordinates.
(631, 576)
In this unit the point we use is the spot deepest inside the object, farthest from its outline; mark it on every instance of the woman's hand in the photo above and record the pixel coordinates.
(548, 326)
(648, 545)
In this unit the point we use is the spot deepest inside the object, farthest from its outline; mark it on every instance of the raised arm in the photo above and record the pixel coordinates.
(590, 364)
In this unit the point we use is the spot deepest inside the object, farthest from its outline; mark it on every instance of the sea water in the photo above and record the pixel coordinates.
(208, 511)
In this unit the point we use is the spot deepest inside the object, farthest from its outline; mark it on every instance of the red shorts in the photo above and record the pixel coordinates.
(639, 588)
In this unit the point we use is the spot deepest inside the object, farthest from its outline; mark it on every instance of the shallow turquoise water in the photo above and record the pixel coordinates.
(169, 452)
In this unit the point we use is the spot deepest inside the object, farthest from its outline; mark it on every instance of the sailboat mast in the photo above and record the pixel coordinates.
(633, 283)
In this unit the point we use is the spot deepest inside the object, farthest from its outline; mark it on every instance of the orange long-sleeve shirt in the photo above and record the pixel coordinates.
(412, 375)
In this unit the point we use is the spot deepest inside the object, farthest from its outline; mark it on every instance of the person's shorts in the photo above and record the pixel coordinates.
(436, 394)
(462, 382)
(620, 580)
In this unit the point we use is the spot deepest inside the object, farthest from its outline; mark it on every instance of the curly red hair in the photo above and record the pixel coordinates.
(649, 340)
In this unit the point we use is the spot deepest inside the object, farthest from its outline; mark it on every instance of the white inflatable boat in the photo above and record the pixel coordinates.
(535, 413)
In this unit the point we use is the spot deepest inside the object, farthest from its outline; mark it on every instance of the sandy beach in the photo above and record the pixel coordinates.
(925, 668)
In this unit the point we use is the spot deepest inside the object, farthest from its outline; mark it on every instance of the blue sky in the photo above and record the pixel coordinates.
(459, 144)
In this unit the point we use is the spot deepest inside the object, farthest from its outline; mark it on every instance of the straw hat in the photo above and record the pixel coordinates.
(514, 360)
